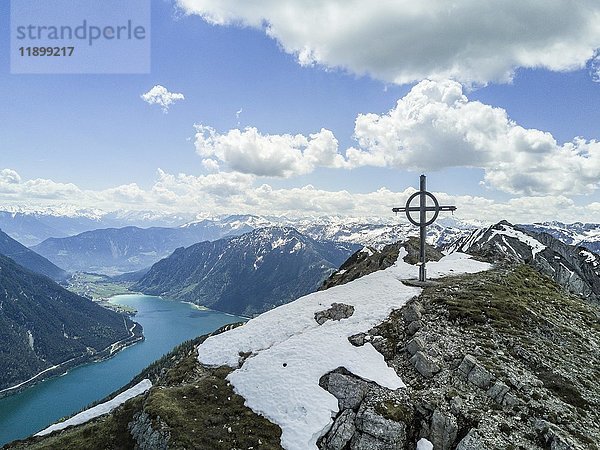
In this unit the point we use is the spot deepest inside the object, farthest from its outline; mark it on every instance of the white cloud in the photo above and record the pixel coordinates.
(211, 165)
(402, 41)
(235, 193)
(249, 151)
(595, 67)
(435, 126)
(9, 176)
(159, 95)
(14, 188)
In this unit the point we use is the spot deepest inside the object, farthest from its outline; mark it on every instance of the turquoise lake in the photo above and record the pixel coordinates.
(166, 324)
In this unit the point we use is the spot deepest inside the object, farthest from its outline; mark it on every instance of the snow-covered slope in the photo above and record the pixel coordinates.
(288, 347)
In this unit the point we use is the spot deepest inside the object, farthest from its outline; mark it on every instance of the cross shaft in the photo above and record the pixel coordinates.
(422, 223)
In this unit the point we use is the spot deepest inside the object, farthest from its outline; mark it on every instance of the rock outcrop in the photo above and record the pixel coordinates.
(502, 359)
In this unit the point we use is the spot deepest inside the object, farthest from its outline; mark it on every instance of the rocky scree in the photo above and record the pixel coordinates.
(496, 360)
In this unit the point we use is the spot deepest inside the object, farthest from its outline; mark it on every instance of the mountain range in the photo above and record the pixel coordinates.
(117, 250)
(247, 274)
(572, 266)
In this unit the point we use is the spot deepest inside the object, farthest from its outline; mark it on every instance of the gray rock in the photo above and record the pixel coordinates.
(472, 441)
(342, 431)
(480, 377)
(146, 437)
(424, 364)
(443, 430)
(412, 312)
(349, 391)
(497, 391)
(510, 400)
(358, 340)
(552, 436)
(377, 432)
(413, 327)
(337, 311)
(414, 345)
(467, 365)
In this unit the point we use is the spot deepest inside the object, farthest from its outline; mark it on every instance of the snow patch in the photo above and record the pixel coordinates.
(589, 257)
(101, 409)
(535, 245)
(424, 444)
(30, 339)
(291, 351)
(367, 251)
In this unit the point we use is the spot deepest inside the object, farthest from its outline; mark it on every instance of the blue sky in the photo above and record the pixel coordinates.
(91, 141)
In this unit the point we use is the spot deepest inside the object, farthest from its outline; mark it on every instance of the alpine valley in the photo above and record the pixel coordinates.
(498, 351)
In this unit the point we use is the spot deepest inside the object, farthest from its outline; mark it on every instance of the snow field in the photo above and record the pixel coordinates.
(290, 351)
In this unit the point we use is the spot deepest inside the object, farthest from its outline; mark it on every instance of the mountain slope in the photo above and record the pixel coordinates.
(115, 250)
(43, 325)
(28, 258)
(573, 267)
(498, 359)
(247, 274)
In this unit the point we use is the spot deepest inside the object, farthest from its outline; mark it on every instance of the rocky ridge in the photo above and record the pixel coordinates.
(370, 259)
(575, 268)
(503, 359)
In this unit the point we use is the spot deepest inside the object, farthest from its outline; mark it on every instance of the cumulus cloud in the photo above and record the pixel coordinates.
(159, 95)
(248, 151)
(435, 126)
(403, 41)
(9, 176)
(234, 193)
(13, 187)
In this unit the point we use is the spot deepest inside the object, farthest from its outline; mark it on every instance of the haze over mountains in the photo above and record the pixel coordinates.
(109, 249)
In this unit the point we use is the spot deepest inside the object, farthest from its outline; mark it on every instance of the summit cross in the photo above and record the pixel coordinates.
(422, 223)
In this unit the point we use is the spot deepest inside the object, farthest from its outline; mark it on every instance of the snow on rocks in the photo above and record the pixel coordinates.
(101, 409)
(589, 257)
(535, 245)
(289, 351)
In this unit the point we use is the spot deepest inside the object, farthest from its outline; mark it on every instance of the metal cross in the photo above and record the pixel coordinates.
(423, 222)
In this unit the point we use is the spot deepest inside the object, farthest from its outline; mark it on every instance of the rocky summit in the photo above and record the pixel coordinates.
(505, 358)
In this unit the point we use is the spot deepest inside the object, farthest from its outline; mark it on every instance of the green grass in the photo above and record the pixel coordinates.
(206, 413)
(97, 286)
